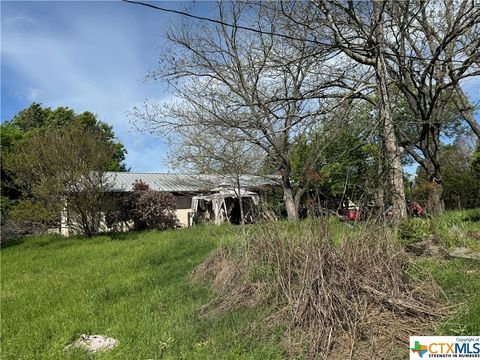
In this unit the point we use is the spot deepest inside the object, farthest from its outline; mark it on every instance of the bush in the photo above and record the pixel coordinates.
(114, 220)
(154, 210)
(144, 209)
(30, 211)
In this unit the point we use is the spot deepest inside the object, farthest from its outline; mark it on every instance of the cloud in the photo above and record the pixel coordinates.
(34, 94)
(87, 57)
(91, 56)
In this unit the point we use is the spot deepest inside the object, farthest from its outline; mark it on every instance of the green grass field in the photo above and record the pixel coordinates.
(135, 287)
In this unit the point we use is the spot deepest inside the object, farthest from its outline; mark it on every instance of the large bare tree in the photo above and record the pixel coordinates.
(432, 46)
(422, 49)
(357, 29)
(295, 55)
(263, 88)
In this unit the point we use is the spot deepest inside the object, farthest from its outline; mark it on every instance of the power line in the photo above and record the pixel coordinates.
(215, 21)
(270, 33)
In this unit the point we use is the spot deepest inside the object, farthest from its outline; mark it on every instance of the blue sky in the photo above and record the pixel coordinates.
(87, 56)
(93, 56)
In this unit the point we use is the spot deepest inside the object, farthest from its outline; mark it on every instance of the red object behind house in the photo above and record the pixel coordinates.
(353, 215)
(416, 209)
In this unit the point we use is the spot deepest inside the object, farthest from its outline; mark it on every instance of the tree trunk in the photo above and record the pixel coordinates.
(288, 198)
(435, 204)
(242, 214)
(392, 150)
(298, 198)
(292, 212)
(379, 191)
(240, 202)
(430, 148)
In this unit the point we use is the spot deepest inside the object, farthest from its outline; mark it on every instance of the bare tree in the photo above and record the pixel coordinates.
(206, 151)
(275, 74)
(432, 46)
(422, 48)
(358, 30)
(262, 88)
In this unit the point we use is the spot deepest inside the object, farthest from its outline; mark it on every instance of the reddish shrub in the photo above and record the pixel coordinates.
(146, 209)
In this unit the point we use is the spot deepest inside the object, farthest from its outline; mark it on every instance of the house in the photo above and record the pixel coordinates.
(199, 198)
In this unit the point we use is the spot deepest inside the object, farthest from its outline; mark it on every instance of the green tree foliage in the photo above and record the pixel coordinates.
(461, 177)
(62, 167)
(37, 119)
(18, 132)
(346, 163)
(476, 161)
(461, 174)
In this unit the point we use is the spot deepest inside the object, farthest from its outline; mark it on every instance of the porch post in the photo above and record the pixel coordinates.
(64, 230)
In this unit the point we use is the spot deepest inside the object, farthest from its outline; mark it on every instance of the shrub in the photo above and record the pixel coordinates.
(113, 220)
(27, 210)
(144, 209)
(154, 210)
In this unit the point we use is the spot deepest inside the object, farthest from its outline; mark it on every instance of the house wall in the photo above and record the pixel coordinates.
(184, 206)
(183, 203)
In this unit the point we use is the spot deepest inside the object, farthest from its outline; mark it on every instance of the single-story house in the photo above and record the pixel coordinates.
(199, 198)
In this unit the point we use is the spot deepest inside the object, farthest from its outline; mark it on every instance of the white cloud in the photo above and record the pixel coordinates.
(93, 62)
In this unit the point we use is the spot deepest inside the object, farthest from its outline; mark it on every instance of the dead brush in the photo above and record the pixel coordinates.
(336, 297)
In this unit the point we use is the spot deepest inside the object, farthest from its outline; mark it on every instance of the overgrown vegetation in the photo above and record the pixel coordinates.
(347, 125)
(143, 209)
(461, 170)
(454, 228)
(272, 292)
(48, 156)
(333, 298)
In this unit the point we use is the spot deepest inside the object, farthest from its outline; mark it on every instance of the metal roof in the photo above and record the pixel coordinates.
(123, 181)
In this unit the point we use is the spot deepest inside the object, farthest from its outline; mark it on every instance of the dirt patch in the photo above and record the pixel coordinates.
(427, 247)
(474, 234)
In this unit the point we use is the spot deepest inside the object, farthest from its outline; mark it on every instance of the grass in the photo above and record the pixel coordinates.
(453, 228)
(135, 287)
(460, 280)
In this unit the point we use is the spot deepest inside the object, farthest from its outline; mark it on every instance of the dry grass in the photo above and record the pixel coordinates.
(351, 300)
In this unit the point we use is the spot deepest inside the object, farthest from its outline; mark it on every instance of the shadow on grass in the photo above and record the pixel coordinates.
(472, 218)
(123, 236)
(472, 215)
(11, 242)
